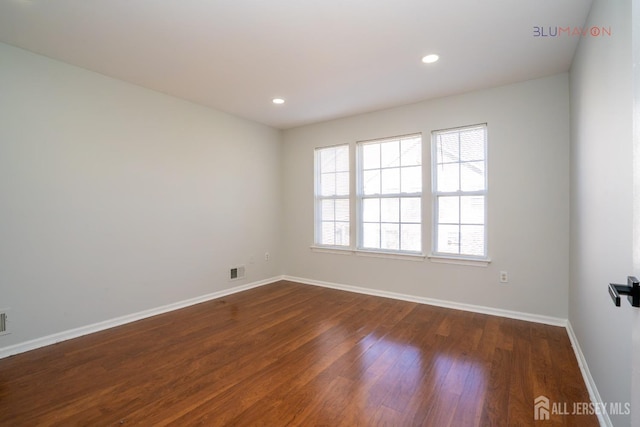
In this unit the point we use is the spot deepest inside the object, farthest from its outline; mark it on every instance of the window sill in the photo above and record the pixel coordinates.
(444, 259)
(438, 258)
(365, 253)
(391, 255)
(332, 250)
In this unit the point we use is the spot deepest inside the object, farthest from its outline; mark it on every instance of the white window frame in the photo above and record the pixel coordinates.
(319, 198)
(360, 197)
(436, 254)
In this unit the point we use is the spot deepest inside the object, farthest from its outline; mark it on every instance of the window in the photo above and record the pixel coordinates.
(389, 195)
(460, 192)
(332, 196)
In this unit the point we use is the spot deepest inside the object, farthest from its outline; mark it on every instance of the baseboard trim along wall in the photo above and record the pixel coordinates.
(588, 379)
(118, 321)
(100, 326)
(547, 320)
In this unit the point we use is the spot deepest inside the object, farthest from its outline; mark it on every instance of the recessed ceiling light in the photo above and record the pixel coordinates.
(430, 59)
(277, 101)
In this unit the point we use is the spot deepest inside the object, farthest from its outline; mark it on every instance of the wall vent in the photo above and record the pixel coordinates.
(236, 273)
(4, 327)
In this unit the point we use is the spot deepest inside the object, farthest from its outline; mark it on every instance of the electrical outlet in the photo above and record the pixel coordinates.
(504, 277)
(267, 256)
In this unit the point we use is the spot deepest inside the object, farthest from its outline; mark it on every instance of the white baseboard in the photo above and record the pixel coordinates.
(537, 318)
(100, 326)
(118, 321)
(586, 375)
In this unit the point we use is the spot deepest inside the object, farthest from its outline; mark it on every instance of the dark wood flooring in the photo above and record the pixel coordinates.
(291, 354)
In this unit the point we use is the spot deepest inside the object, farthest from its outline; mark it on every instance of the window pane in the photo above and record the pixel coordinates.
(390, 236)
(342, 183)
(371, 182)
(328, 160)
(332, 178)
(472, 239)
(448, 239)
(410, 209)
(447, 148)
(342, 233)
(448, 177)
(390, 181)
(448, 210)
(391, 167)
(371, 235)
(472, 210)
(327, 207)
(328, 184)
(328, 234)
(411, 179)
(411, 237)
(390, 154)
(389, 210)
(472, 176)
(411, 151)
(342, 159)
(460, 162)
(371, 156)
(342, 210)
(472, 145)
(371, 210)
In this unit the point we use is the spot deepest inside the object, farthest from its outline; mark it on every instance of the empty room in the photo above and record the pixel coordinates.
(331, 213)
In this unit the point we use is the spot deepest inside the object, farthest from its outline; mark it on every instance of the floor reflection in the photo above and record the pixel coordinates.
(397, 374)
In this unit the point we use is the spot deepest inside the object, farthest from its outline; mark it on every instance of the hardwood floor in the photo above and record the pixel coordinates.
(291, 354)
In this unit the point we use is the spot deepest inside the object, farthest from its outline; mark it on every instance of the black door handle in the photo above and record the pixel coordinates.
(631, 289)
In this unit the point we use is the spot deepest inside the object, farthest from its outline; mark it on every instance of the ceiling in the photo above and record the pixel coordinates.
(326, 58)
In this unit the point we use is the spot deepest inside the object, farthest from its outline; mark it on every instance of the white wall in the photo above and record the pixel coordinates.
(528, 211)
(115, 199)
(602, 199)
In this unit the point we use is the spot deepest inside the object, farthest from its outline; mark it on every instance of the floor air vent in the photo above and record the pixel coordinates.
(3, 323)
(236, 273)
